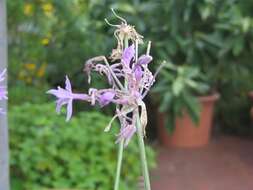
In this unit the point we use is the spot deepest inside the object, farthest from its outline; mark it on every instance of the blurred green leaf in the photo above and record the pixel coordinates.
(47, 152)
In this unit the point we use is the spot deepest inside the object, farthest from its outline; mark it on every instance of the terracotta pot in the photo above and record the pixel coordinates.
(251, 95)
(186, 132)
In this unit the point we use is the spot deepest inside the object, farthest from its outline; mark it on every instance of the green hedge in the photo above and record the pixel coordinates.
(47, 152)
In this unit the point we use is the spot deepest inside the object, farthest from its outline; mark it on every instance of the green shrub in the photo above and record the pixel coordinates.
(21, 93)
(177, 90)
(47, 152)
(48, 38)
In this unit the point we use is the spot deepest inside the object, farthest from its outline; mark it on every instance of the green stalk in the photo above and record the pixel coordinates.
(121, 145)
(119, 163)
(144, 164)
(126, 42)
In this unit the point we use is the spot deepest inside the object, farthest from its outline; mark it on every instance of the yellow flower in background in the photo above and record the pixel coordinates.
(28, 9)
(30, 66)
(32, 73)
(28, 80)
(41, 70)
(48, 8)
(49, 35)
(45, 41)
(21, 75)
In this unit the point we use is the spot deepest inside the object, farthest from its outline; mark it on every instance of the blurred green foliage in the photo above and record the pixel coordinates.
(217, 37)
(51, 38)
(22, 93)
(55, 35)
(47, 152)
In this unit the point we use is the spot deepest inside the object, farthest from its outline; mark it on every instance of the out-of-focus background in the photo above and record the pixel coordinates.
(208, 45)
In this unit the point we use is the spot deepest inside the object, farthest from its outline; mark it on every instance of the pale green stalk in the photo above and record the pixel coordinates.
(136, 51)
(119, 163)
(121, 145)
(144, 164)
(140, 133)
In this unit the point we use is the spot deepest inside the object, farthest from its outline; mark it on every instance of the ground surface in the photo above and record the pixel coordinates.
(225, 164)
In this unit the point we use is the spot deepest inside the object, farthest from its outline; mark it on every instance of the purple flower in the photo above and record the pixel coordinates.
(126, 133)
(106, 98)
(144, 60)
(129, 79)
(138, 72)
(66, 97)
(128, 55)
(93, 95)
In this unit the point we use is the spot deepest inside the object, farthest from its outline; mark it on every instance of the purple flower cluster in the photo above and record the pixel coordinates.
(66, 97)
(3, 91)
(129, 78)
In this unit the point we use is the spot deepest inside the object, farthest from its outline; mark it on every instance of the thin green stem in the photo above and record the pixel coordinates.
(120, 156)
(144, 164)
(121, 144)
(148, 48)
(126, 42)
(136, 52)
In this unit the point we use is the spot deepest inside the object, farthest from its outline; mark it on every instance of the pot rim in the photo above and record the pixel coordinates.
(250, 93)
(212, 97)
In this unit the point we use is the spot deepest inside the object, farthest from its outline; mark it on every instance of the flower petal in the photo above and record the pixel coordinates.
(59, 104)
(68, 84)
(106, 98)
(138, 72)
(69, 110)
(60, 93)
(130, 135)
(126, 134)
(128, 55)
(53, 92)
(144, 60)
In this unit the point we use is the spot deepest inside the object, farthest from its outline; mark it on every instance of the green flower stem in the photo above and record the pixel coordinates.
(119, 163)
(126, 42)
(121, 145)
(143, 155)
